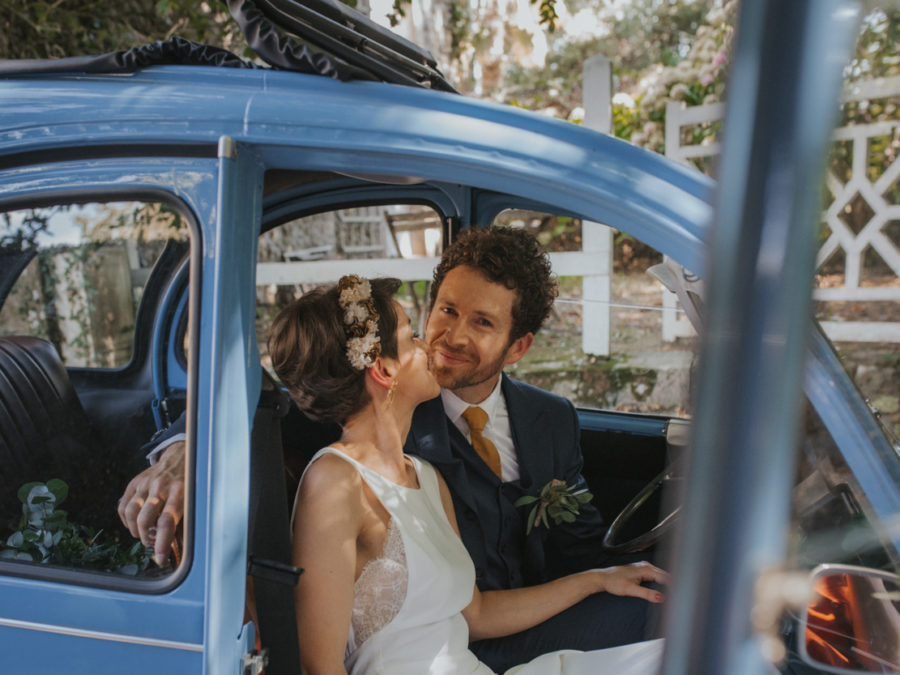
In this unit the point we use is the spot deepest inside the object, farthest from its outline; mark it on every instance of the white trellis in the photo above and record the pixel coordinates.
(841, 238)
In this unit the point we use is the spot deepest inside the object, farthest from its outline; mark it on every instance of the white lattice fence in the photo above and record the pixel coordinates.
(862, 218)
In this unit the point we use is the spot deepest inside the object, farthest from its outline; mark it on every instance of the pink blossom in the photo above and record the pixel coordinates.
(719, 60)
(706, 79)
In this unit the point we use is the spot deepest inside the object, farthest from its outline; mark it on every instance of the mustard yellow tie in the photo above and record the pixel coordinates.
(477, 418)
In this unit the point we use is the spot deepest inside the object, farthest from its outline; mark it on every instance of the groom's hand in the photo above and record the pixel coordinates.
(153, 502)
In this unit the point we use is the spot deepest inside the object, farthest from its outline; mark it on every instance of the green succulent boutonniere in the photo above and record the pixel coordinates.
(557, 500)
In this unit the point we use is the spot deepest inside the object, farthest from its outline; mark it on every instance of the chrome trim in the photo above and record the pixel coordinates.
(99, 635)
(227, 148)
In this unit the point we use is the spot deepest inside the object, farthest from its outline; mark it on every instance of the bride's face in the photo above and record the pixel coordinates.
(414, 379)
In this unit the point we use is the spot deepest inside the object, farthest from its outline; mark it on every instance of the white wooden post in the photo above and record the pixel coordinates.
(597, 238)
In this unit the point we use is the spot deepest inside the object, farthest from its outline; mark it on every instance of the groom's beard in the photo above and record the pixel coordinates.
(468, 374)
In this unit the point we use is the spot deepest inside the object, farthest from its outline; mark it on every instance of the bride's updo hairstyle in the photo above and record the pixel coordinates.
(308, 344)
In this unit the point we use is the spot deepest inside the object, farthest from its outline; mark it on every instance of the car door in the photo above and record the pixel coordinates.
(92, 224)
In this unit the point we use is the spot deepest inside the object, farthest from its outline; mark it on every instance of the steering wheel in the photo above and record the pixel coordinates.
(626, 535)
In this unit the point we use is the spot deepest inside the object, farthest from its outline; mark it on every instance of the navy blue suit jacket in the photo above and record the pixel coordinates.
(546, 436)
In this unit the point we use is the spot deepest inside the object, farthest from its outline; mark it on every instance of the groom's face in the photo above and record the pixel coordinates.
(468, 333)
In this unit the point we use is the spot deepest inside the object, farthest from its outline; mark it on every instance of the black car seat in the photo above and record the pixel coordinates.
(45, 433)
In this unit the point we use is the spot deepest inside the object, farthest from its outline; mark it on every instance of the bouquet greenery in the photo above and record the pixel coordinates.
(45, 535)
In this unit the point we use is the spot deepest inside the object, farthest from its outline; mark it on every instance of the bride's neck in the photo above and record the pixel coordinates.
(376, 437)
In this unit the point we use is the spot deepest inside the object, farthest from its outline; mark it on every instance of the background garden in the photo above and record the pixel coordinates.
(531, 53)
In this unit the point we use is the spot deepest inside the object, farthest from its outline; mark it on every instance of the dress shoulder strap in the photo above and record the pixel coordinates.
(365, 471)
(328, 450)
(381, 485)
(428, 481)
(427, 474)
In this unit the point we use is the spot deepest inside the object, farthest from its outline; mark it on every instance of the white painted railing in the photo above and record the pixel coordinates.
(842, 239)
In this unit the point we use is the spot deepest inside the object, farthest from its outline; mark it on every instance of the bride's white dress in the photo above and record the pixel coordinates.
(407, 602)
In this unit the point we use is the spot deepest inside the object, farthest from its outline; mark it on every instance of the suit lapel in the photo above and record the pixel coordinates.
(430, 438)
(531, 435)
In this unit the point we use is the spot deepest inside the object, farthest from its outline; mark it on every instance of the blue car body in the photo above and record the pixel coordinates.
(203, 137)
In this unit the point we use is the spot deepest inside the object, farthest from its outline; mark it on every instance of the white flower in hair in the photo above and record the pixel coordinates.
(355, 313)
(360, 316)
(361, 351)
(358, 292)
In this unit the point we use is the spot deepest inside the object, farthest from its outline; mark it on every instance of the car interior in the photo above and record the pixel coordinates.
(88, 420)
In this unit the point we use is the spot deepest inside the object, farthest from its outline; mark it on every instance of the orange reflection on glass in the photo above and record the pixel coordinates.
(853, 623)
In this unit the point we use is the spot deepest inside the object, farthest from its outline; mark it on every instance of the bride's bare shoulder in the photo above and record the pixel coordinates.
(330, 477)
(329, 508)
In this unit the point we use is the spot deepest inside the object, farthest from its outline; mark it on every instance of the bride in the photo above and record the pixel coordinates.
(388, 586)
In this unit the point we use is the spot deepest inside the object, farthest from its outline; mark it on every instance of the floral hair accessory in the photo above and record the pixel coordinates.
(360, 321)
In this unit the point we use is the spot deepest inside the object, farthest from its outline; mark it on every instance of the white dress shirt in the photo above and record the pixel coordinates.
(154, 454)
(497, 429)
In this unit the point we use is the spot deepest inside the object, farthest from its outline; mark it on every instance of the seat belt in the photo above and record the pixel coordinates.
(269, 544)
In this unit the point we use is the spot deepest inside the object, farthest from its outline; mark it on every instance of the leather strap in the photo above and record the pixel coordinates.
(269, 546)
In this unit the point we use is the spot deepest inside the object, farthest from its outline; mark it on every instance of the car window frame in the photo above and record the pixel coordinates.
(70, 192)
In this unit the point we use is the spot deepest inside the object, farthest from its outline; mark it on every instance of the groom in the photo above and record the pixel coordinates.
(492, 291)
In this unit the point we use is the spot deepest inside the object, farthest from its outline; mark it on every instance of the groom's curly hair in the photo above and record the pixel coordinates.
(508, 256)
(308, 347)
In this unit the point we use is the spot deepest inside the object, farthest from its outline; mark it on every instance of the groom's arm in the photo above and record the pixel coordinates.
(152, 505)
(573, 547)
(164, 438)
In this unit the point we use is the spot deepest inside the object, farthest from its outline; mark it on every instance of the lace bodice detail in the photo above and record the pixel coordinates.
(380, 590)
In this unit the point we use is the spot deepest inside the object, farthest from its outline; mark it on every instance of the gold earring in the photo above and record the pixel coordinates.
(390, 396)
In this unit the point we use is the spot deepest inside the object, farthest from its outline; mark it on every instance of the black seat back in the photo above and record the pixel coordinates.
(45, 433)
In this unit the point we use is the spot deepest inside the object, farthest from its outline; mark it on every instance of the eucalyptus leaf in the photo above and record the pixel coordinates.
(542, 514)
(556, 501)
(59, 488)
(25, 490)
(45, 535)
(530, 520)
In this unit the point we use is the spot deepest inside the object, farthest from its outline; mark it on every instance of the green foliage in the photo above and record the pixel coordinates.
(547, 10)
(459, 24)
(889, 360)
(21, 233)
(625, 120)
(556, 500)
(46, 536)
(42, 29)
(398, 11)
(877, 54)
(877, 51)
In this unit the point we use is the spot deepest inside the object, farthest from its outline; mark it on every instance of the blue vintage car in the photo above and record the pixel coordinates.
(157, 206)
